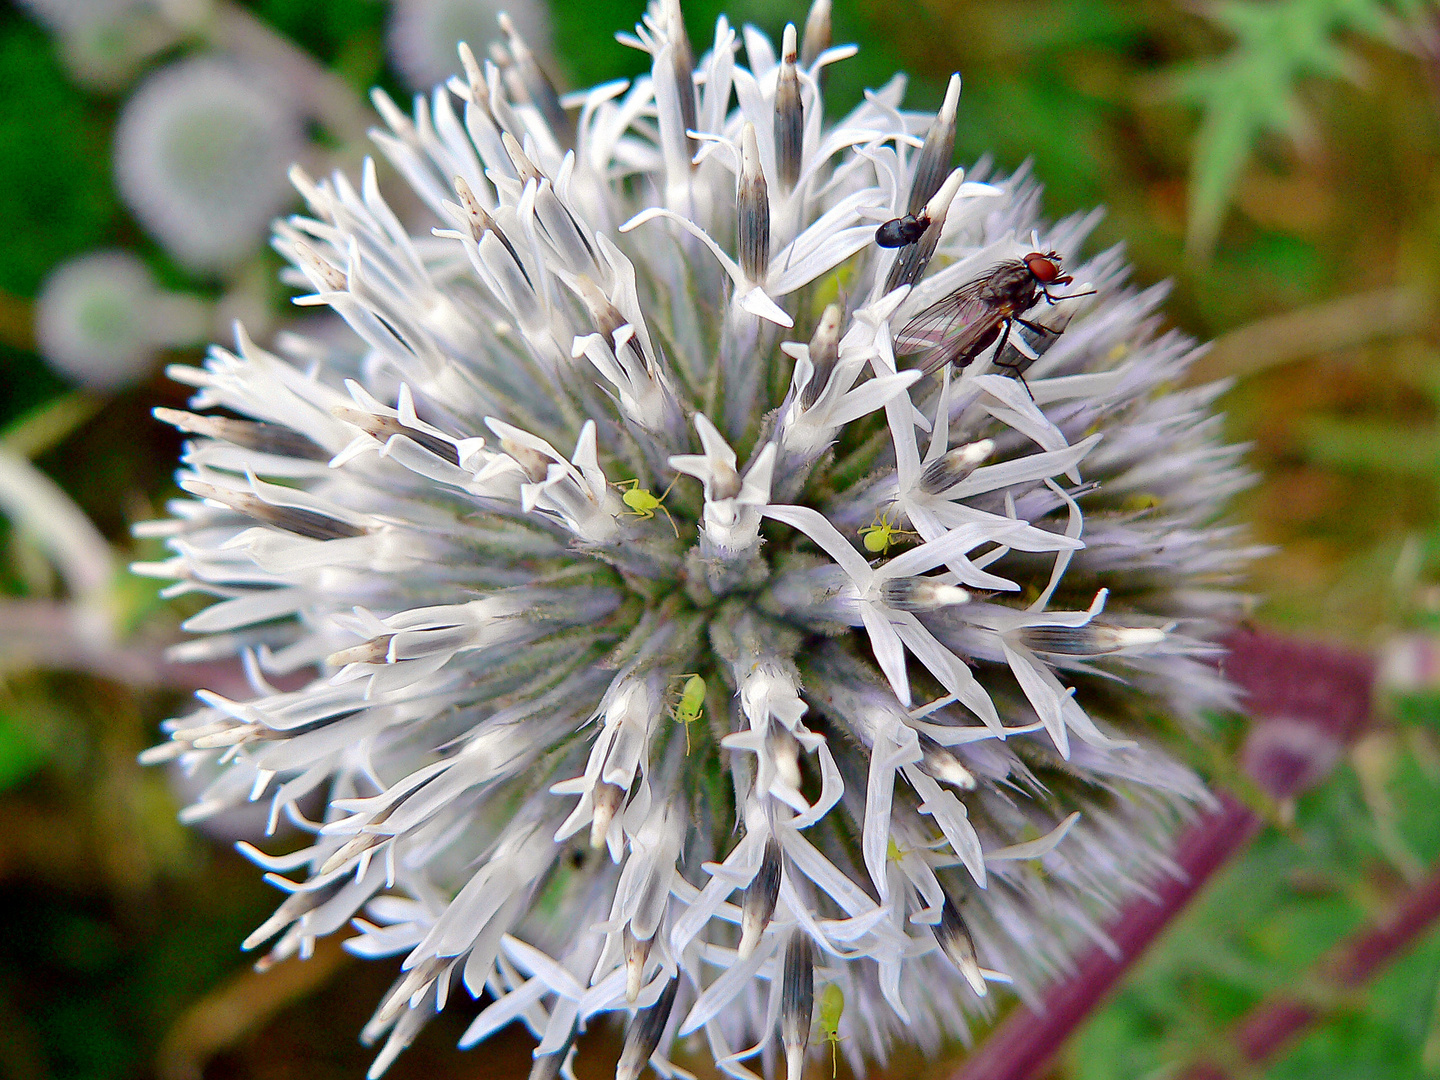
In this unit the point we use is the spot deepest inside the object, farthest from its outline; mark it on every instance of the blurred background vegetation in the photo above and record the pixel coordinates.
(1277, 160)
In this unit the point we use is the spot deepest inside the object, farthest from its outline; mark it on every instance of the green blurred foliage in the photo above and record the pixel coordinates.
(1240, 131)
(20, 753)
(333, 32)
(55, 194)
(1272, 913)
(1252, 90)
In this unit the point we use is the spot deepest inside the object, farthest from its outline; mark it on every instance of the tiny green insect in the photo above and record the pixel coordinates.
(832, 1007)
(878, 536)
(691, 706)
(642, 502)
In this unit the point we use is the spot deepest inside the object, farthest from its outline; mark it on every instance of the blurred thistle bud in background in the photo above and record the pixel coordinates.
(664, 648)
(421, 34)
(105, 43)
(100, 320)
(200, 156)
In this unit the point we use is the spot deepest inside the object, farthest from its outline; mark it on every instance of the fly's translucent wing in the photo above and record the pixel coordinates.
(951, 327)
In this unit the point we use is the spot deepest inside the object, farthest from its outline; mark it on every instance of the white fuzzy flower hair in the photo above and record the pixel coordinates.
(661, 646)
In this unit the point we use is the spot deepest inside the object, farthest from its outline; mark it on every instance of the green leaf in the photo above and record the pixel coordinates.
(1251, 90)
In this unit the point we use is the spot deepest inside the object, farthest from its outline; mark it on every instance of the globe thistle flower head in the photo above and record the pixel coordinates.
(200, 156)
(100, 320)
(669, 650)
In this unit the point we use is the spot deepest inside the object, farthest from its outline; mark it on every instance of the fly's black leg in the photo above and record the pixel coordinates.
(1039, 329)
(1015, 369)
(1067, 296)
(1004, 337)
(1018, 375)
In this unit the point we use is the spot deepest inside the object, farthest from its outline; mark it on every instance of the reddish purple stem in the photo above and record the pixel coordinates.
(1308, 702)
(1272, 1025)
(1026, 1041)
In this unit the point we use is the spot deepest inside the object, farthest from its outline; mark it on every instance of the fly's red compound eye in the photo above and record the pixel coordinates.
(1043, 268)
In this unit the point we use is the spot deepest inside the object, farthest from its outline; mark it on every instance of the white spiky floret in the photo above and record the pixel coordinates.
(673, 651)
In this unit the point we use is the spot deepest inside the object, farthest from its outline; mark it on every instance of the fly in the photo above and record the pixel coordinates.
(897, 232)
(959, 327)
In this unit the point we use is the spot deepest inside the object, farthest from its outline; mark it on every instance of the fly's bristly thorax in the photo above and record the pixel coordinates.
(660, 649)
